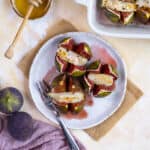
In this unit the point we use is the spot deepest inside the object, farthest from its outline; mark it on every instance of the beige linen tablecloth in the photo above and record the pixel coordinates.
(132, 131)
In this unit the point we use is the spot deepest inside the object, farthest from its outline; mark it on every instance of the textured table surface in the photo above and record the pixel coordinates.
(132, 132)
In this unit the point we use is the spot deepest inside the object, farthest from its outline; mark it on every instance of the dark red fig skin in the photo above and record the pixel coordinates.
(105, 69)
(86, 85)
(64, 63)
(72, 67)
(80, 50)
(96, 69)
(59, 84)
(97, 88)
(67, 43)
(75, 108)
(74, 85)
(63, 107)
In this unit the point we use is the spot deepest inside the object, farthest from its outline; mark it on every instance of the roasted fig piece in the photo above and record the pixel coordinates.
(59, 84)
(94, 67)
(76, 107)
(101, 91)
(74, 85)
(84, 50)
(11, 100)
(103, 84)
(113, 15)
(109, 69)
(61, 64)
(67, 43)
(143, 15)
(76, 71)
(71, 99)
(67, 98)
(63, 107)
(88, 84)
(71, 57)
(127, 17)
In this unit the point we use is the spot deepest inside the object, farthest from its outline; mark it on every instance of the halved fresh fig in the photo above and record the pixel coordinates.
(88, 84)
(71, 57)
(84, 50)
(101, 79)
(61, 64)
(74, 85)
(94, 67)
(109, 69)
(101, 91)
(67, 43)
(76, 71)
(127, 17)
(76, 107)
(143, 15)
(59, 84)
(113, 15)
(63, 107)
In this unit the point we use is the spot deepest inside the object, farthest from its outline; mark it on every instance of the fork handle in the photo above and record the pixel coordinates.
(71, 141)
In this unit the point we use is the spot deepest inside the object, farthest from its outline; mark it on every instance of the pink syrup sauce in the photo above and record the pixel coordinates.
(103, 55)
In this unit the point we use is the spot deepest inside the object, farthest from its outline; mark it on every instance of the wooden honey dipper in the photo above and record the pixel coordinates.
(33, 3)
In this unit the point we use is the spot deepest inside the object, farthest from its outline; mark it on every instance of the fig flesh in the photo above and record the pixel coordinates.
(101, 79)
(61, 64)
(71, 57)
(109, 69)
(88, 84)
(103, 84)
(75, 108)
(113, 15)
(11, 100)
(67, 97)
(76, 71)
(101, 91)
(74, 85)
(94, 67)
(143, 15)
(63, 107)
(67, 43)
(59, 84)
(127, 17)
(84, 50)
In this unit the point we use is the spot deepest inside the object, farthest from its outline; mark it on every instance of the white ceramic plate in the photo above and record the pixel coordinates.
(102, 107)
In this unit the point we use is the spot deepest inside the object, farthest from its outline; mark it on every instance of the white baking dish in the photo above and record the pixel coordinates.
(102, 26)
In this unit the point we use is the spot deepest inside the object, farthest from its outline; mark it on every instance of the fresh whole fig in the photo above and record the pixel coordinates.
(20, 126)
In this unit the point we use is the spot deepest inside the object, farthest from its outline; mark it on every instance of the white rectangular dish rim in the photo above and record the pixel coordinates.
(138, 32)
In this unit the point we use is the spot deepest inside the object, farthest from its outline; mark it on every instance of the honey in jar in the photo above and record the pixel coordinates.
(21, 8)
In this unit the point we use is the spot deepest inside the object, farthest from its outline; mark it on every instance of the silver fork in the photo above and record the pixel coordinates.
(48, 102)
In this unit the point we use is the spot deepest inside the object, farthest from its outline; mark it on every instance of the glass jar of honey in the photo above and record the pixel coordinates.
(21, 8)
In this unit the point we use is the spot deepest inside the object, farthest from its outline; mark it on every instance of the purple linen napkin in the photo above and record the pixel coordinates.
(45, 137)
